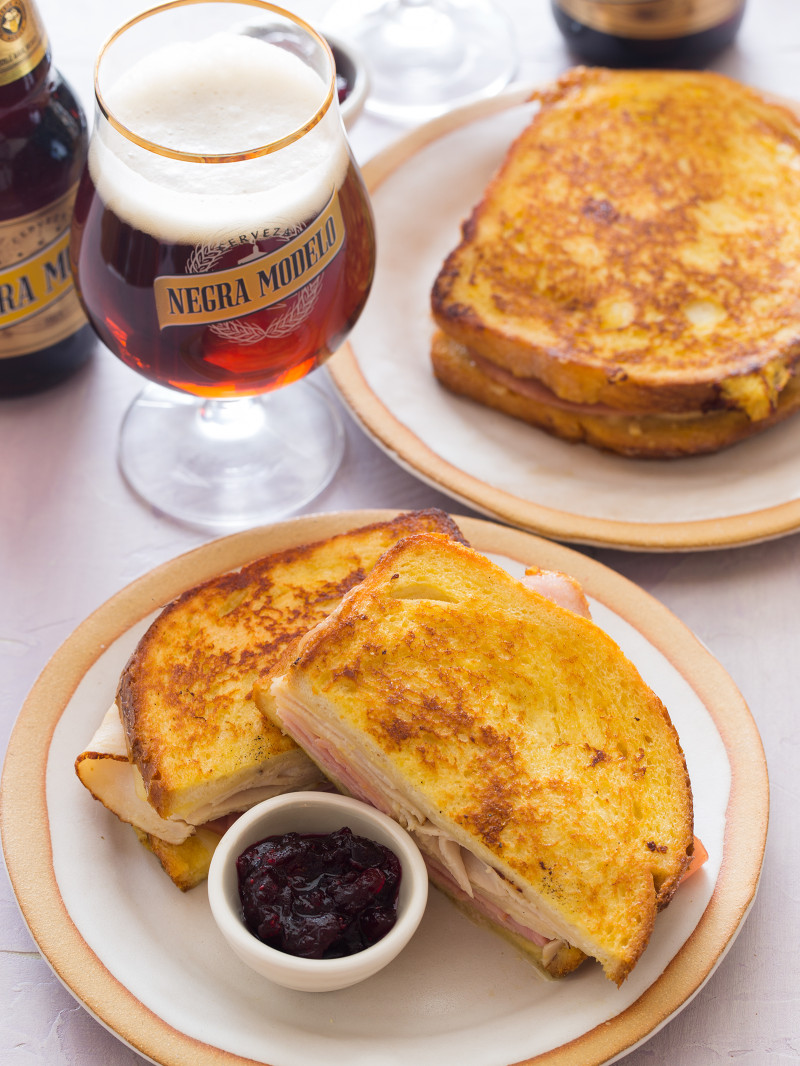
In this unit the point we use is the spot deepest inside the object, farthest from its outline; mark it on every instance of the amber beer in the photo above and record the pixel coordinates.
(214, 291)
(215, 356)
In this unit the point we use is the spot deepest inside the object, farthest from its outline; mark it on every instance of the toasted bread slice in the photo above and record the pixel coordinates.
(639, 248)
(650, 436)
(187, 863)
(541, 776)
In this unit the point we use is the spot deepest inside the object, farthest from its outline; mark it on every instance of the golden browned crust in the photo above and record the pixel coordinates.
(634, 436)
(186, 694)
(186, 864)
(519, 726)
(639, 247)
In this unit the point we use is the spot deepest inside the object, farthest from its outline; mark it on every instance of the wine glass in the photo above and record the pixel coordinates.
(427, 56)
(223, 247)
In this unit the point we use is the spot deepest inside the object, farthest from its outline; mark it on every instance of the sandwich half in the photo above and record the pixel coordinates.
(541, 777)
(645, 435)
(629, 277)
(184, 747)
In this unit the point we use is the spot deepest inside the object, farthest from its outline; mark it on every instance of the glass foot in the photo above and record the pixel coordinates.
(427, 56)
(224, 465)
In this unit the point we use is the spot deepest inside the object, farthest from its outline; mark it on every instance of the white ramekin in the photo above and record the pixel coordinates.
(314, 812)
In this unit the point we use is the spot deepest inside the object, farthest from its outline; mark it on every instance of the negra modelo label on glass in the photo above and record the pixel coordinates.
(254, 284)
(23, 42)
(38, 303)
(655, 19)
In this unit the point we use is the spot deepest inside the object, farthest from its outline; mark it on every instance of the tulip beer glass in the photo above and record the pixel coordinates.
(223, 247)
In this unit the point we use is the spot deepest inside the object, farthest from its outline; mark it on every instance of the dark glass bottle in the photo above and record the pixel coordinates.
(44, 335)
(648, 33)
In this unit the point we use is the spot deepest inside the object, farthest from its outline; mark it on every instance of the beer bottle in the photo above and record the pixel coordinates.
(648, 33)
(44, 335)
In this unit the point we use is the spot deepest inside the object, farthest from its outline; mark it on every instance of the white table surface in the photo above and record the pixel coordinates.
(71, 535)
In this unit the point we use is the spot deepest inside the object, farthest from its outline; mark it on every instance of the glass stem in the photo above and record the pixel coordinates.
(232, 420)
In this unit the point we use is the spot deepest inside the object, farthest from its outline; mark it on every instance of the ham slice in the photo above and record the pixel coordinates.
(537, 391)
(560, 588)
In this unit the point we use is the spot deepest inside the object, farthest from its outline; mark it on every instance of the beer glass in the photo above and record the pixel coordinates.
(223, 247)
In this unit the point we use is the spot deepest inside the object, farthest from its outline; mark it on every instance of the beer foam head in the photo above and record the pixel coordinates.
(227, 94)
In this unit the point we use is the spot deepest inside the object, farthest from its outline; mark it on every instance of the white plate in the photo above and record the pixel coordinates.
(422, 188)
(150, 964)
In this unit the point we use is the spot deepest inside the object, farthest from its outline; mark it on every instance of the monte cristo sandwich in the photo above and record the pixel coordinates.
(184, 748)
(539, 774)
(630, 277)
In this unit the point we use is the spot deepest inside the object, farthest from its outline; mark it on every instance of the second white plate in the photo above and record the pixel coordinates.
(422, 188)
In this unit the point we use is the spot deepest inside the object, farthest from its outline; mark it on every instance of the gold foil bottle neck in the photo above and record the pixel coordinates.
(23, 39)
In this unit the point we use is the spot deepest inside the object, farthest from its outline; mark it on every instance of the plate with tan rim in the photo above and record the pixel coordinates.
(150, 964)
(422, 187)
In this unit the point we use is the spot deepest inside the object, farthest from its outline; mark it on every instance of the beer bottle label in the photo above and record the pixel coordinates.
(263, 280)
(23, 41)
(38, 302)
(651, 19)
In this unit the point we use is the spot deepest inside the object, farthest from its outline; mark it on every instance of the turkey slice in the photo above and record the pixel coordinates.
(105, 769)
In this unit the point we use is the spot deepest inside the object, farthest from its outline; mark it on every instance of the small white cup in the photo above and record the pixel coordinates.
(314, 812)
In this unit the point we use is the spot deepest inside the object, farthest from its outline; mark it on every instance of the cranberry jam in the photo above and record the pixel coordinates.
(319, 896)
(344, 74)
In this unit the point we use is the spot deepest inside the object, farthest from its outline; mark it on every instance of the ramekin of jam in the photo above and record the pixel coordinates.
(317, 891)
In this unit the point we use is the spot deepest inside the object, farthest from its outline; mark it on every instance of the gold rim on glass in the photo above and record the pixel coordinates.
(227, 157)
